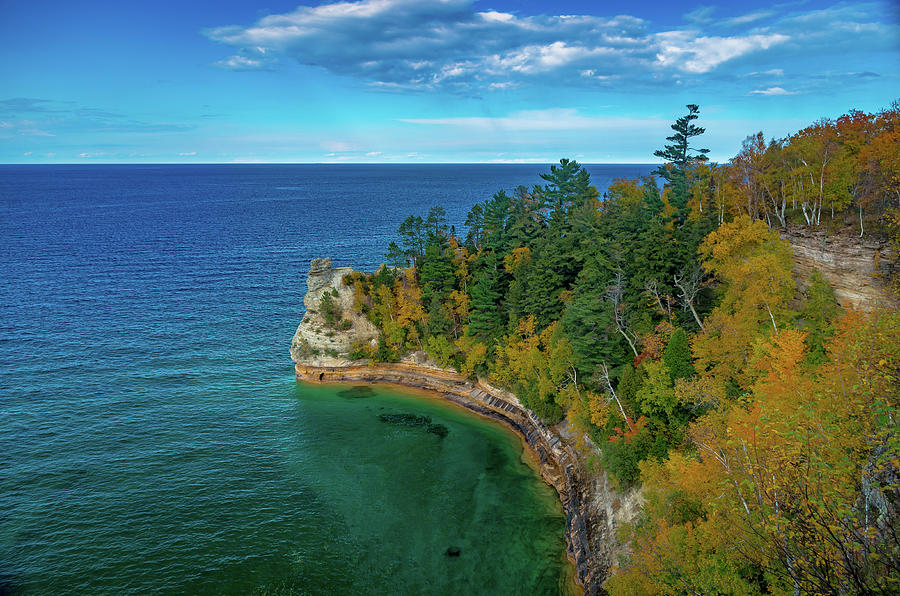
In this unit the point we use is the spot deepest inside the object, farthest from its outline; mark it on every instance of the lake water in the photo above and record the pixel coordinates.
(154, 439)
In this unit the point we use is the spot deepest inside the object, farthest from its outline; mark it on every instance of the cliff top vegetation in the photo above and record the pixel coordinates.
(667, 327)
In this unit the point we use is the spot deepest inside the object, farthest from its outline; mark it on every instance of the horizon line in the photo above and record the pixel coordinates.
(328, 163)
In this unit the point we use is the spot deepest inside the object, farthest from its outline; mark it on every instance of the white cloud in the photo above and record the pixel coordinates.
(773, 72)
(772, 91)
(406, 45)
(409, 44)
(554, 119)
(749, 18)
(188, 154)
(701, 14)
(337, 146)
(679, 49)
(497, 17)
(241, 63)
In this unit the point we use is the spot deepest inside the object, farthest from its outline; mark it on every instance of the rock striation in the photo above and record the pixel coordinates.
(594, 508)
(855, 267)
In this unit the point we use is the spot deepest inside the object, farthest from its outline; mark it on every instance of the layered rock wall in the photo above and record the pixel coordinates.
(855, 267)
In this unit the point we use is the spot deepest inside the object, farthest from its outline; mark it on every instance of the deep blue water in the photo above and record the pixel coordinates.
(153, 438)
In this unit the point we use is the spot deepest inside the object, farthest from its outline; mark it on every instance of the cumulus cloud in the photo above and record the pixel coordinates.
(686, 51)
(447, 44)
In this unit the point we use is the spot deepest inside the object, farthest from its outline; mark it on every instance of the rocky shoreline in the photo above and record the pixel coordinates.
(591, 514)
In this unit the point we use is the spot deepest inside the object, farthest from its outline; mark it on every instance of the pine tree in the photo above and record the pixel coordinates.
(680, 156)
(484, 319)
(436, 269)
(678, 356)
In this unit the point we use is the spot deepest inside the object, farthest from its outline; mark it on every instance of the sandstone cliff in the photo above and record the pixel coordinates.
(855, 267)
(316, 342)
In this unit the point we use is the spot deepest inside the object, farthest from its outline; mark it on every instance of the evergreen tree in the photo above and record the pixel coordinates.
(677, 356)
(587, 319)
(537, 288)
(436, 269)
(438, 317)
(680, 156)
(485, 322)
(412, 238)
(569, 188)
(436, 223)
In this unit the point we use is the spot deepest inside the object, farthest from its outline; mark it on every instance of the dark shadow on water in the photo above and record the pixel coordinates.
(357, 392)
(8, 587)
(414, 420)
(495, 459)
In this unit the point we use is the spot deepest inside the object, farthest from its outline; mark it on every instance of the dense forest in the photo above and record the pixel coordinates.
(666, 325)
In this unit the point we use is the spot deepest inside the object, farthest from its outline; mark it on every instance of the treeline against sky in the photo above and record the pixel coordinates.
(667, 327)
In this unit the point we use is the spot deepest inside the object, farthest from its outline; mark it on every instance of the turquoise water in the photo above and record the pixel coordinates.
(154, 439)
(308, 491)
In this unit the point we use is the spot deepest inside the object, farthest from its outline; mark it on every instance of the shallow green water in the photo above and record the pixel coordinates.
(410, 497)
(280, 488)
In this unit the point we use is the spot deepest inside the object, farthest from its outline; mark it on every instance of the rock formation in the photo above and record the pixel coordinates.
(855, 267)
(318, 343)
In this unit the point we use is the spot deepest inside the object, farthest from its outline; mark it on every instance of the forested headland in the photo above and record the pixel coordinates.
(666, 326)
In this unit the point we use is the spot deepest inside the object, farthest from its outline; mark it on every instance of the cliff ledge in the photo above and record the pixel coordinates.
(855, 267)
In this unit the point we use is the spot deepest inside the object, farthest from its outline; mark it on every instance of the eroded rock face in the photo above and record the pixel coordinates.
(317, 343)
(855, 267)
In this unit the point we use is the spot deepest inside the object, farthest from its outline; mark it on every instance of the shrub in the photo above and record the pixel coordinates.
(331, 312)
(361, 351)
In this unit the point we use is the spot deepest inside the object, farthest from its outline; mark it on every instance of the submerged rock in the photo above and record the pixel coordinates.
(357, 392)
(415, 420)
(453, 551)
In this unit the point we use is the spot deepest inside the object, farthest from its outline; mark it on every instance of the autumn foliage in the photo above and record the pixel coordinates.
(666, 327)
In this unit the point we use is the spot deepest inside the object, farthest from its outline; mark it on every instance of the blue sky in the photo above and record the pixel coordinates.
(426, 81)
